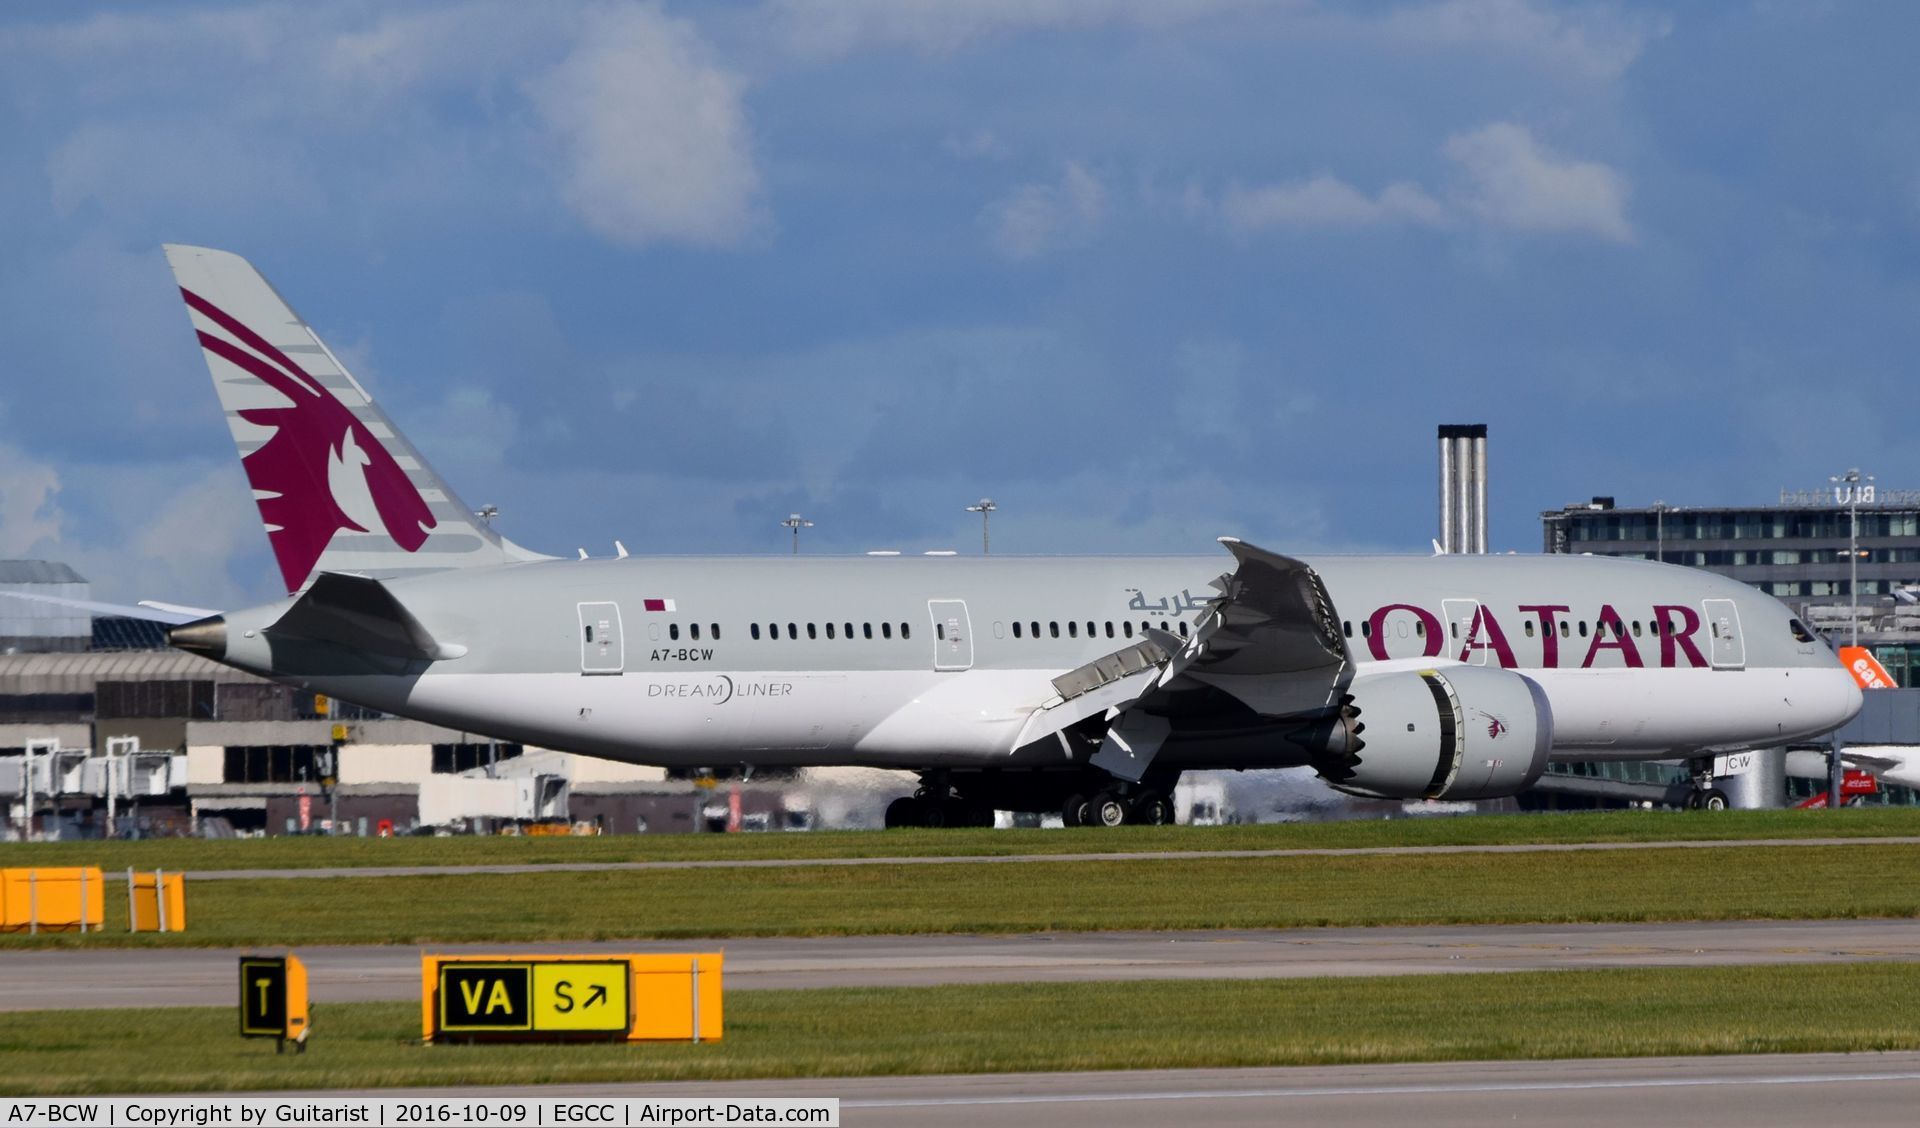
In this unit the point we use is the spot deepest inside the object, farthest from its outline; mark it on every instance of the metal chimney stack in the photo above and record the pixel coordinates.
(1463, 487)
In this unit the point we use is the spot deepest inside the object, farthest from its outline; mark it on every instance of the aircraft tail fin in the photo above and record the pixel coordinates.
(340, 489)
(1865, 668)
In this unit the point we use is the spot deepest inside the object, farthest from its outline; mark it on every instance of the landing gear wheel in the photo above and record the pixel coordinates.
(904, 811)
(1107, 809)
(1152, 809)
(1076, 811)
(938, 814)
(1714, 801)
(1692, 801)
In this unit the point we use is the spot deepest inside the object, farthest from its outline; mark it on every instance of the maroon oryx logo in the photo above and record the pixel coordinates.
(1496, 728)
(322, 470)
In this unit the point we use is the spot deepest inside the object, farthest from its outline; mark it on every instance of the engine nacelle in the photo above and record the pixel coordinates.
(1456, 732)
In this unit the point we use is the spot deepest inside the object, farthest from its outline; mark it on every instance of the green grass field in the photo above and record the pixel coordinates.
(1706, 883)
(1022, 1027)
(1606, 826)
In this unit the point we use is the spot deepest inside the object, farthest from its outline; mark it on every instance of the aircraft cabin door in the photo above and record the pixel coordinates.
(952, 634)
(602, 650)
(1460, 615)
(1729, 651)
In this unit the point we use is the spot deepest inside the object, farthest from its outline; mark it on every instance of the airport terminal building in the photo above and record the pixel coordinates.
(1806, 551)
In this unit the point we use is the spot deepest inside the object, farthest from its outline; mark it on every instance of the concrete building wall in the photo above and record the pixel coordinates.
(593, 770)
(386, 763)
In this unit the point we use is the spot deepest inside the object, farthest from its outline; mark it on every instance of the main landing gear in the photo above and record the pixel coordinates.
(1112, 807)
(1083, 798)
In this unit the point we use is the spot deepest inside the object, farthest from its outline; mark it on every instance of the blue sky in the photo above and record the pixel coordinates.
(1143, 271)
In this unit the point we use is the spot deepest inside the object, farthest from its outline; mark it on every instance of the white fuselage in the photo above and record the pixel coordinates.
(919, 663)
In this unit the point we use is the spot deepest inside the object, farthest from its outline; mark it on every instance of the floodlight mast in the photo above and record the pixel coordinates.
(796, 522)
(984, 507)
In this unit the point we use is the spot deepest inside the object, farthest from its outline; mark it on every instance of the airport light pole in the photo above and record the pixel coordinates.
(1853, 478)
(1660, 530)
(796, 522)
(984, 507)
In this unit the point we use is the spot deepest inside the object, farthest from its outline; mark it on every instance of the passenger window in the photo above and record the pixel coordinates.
(1033, 628)
(1455, 625)
(849, 627)
(673, 631)
(754, 631)
(716, 631)
(1636, 628)
(1529, 628)
(1183, 628)
(940, 631)
(1346, 627)
(1366, 628)
(1420, 628)
(1127, 629)
(1016, 628)
(1716, 628)
(829, 630)
(886, 630)
(793, 632)
(1053, 629)
(1583, 628)
(1109, 628)
(811, 633)
(589, 632)
(693, 631)
(1073, 629)
(905, 632)
(866, 630)
(1090, 631)
(1566, 630)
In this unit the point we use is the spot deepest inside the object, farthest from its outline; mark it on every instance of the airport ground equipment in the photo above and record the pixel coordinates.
(63, 899)
(273, 1001)
(600, 998)
(156, 902)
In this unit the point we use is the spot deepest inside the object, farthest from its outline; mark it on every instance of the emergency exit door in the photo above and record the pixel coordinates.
(602, 651)
(1729, 650)
(952, 634)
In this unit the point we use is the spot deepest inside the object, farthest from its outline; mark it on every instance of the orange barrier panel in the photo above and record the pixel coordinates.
(57, 899)
(151, 911)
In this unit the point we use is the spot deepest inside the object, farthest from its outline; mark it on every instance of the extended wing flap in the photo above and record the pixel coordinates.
(1272, 638)
(359, 612)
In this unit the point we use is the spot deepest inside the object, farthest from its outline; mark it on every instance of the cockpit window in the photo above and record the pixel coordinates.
(1800, 631)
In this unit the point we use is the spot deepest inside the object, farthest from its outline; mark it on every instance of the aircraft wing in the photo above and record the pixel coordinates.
(1271, 639)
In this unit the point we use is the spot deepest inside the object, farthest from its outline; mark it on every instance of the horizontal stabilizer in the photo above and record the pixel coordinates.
(358, 612)
(166, 613)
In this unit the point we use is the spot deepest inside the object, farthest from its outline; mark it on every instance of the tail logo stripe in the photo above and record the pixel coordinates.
(322, 471)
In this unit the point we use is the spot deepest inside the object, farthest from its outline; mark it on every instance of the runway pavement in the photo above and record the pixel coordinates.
(70, 978)
(993, 859)
(1859, 1090)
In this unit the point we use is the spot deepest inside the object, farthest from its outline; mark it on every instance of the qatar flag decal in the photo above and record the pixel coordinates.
(659, 604)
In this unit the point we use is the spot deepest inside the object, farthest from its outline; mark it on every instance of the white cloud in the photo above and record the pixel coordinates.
(1036, 218)
(1324, 201)
(1594, 40)
(829, 27)
(977, 144)
(655, 134)
(1516, 183)
(1507, 181)
(29, 507)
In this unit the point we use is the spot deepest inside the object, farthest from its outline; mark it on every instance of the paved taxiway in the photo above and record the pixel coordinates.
(48, 980)
(1861, 1090)
(991, 859)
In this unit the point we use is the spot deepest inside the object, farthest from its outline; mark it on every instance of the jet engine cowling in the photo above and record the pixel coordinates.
(1455, 732)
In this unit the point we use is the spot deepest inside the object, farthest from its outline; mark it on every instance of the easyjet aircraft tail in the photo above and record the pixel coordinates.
(340, 489)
